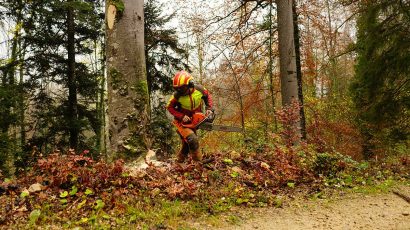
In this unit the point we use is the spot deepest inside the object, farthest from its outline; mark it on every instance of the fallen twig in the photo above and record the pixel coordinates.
(402, 195)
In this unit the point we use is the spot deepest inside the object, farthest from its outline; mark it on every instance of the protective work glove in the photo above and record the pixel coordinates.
(186, 119)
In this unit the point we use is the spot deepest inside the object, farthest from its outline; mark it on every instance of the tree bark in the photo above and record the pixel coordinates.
(128, 100)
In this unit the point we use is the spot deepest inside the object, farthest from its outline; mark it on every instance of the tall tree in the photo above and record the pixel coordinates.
(61, 83)
(71, 78)
(381, 86)
(270, 67)
(14, 11)
(287, 55)
(10, 89)
(128, 100)
(299, 71)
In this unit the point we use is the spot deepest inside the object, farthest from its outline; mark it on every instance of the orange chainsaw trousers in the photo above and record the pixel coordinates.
(190, 143)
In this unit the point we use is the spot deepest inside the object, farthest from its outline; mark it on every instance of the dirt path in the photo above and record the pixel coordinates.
(381, 211)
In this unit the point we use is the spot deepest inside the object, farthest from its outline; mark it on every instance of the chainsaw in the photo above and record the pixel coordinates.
(201, 121)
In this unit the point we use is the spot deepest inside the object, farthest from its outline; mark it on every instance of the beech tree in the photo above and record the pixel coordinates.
(128, 101)
(287, 55)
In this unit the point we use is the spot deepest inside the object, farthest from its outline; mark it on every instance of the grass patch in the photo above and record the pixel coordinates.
(383, 187)
(157, 213)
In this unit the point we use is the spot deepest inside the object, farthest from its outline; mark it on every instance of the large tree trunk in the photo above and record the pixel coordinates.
(287, 57)
(128, 100)
(72, 85)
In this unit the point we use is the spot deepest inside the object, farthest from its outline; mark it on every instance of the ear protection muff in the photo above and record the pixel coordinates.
(191, 84)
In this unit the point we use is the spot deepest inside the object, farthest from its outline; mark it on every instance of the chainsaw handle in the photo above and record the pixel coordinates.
(196, 120)
(211, 117)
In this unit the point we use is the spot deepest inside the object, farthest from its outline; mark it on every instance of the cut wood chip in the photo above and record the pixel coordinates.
(35, 188)
(111, 12)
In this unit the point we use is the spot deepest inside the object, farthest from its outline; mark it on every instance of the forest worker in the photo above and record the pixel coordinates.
(187, 100)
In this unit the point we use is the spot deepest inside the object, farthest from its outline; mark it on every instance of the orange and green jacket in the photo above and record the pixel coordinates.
(180, 105)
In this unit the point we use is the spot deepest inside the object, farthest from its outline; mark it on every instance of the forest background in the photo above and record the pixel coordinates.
(353, 67)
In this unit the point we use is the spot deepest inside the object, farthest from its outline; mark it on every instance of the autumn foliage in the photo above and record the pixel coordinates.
(66, 181)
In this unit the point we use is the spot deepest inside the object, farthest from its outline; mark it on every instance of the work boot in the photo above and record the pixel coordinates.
(181, 157)
(183, 153)
(197, 155)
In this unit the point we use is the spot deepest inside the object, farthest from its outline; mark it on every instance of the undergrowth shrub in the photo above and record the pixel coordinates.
(330, 136)
(64, 171)
(258, 139)
(5, 154)
(330, 164)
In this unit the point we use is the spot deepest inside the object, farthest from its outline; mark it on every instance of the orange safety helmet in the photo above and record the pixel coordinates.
(182, 78)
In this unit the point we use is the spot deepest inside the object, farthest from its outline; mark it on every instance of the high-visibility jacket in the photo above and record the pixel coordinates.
(180, 105)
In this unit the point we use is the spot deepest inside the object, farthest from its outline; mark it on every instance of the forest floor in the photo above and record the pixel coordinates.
(385, 210)
(264, 191)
